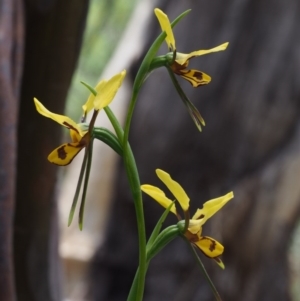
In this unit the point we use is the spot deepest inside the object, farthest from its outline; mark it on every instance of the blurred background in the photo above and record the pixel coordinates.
(250, 144)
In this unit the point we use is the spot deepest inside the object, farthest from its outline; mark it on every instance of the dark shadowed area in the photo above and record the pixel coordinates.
(39, 46)
(250, 145)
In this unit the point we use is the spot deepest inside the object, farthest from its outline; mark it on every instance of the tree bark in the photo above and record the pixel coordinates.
(250, 145)
(11, 58)
(53, 36)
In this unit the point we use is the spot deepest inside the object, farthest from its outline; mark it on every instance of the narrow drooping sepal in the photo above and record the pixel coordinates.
(85, 183)
(200, 264)
(192, 110)
(78, 187)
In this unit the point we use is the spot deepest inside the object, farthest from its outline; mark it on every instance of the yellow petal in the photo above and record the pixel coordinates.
(209, 246)
(107, 91)
(166, 26)
(159, 196)
(195, 226)
(182, 58)
(211, 207)
(175, 188)
(89, 105)
(195, 77)
(64, 154)
(75, 136)
(61, 119)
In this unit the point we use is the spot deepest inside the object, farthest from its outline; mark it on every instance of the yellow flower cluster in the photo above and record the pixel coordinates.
(209, 246)
(179, 65)
(65, 153)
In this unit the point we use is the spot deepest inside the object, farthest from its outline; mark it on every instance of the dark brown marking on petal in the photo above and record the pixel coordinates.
(198, 75)
(61, 153)
(191, 237)
(70, 126)
(212, 245)
(177, 68)
(201, 216)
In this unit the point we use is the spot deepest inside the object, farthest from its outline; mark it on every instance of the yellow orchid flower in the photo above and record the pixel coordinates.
(195, 77)
(106, 91)
(65, 153)
(209, 246)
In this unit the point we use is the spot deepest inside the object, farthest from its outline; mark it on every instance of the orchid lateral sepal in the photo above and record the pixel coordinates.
(77, 191)
(199, 262)
(85, 184)
(192, 110)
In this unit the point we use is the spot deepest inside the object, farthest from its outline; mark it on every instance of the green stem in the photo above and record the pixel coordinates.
(129, 161)
(134, 183)
(162, 240)
(143, 72)
(115, 123)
